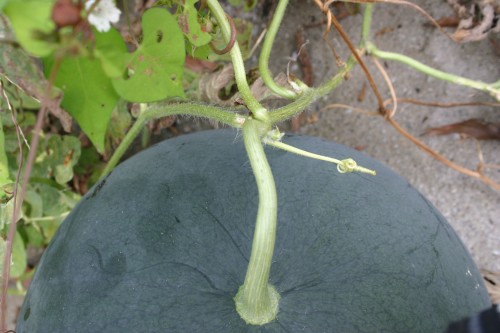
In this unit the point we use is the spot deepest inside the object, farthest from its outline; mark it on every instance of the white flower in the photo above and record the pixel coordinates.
(103, 14)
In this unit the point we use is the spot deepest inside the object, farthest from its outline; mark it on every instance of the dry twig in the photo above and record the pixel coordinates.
(478, 174)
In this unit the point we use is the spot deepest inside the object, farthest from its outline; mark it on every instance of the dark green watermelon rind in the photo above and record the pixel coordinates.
(162, 245)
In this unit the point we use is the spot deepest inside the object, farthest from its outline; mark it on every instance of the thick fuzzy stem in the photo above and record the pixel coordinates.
(257, 300)
(160, 110)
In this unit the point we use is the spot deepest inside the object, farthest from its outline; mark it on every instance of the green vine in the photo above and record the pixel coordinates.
(490, 88)
(266, 53)
(257, 301)
(164, 109)
(258, 111)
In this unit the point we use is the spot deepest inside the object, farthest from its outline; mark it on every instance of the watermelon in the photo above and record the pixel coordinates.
(162, 245)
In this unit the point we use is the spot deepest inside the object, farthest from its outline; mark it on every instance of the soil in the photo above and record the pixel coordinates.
(472, 207)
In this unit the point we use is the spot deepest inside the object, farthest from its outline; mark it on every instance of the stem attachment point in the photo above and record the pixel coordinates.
(257, 312)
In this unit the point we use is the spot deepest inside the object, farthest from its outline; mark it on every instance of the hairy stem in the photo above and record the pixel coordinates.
(160, 110)
(310, 95)
(251, 102)
(367, 22)
(266, 53)
(479, 85)
(257, 301)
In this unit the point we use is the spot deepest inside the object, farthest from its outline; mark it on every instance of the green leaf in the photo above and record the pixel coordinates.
(57, 158)
(190, 26)
(55, 203)
(201, 52)
(6, 194)
(88, 95)
(155, 69)
(17, 66)
(22, 70)
(4, 164)
(50, 227)
(26, 119)
(34, 236)
(32, 23)
(19, 259)
(35, 202)
(6, 213)
(47, 207)
(5, 181)
(17, 97)
(112, 51)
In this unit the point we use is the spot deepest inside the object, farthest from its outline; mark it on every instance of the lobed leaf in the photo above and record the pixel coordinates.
(154, 71)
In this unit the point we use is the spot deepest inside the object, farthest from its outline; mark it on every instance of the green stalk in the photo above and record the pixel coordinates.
(4, 163)
(257, 301)
(479, 85)
(124, 145)
(159, 110)
(266, 53)
(310, 95)
(258, 111)
(367, 22)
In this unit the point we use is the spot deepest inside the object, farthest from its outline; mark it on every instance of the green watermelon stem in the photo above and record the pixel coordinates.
(266, 53)
(166, 109)
(257, 300)
(240, 76)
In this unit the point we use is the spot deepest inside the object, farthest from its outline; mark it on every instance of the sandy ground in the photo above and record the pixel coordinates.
(470, 206)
